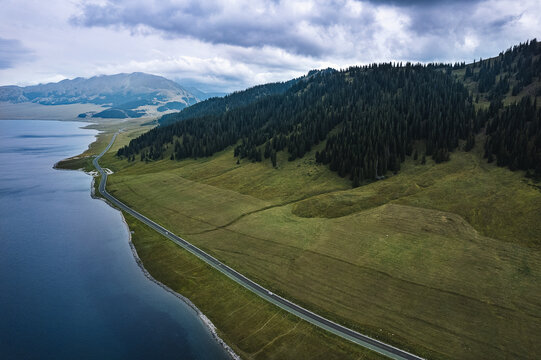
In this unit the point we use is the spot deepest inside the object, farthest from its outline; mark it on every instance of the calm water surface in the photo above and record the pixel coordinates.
(69, 286)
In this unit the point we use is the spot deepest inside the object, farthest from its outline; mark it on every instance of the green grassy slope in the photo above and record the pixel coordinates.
(441, 259)
(254, 328)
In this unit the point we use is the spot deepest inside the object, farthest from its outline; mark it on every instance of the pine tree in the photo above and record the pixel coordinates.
(273, 158)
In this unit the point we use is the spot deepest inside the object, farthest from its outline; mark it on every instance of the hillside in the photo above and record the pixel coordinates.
(371, 117)
(122, 95)
(437, 259)
(440, 256)
(217, 105)
(508, 77)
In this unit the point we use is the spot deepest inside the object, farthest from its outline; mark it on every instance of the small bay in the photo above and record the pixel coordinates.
(70, 287)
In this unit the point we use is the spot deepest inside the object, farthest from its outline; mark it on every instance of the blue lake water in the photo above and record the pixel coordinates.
(69, 285)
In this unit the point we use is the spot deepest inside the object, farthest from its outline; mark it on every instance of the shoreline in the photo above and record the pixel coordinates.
(204, 319)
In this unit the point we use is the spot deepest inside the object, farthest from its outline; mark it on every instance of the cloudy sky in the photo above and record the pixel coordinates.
(229, 45)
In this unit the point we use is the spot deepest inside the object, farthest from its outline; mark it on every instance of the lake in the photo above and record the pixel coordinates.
(70, 287)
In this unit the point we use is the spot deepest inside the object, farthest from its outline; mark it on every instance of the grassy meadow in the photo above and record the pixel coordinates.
(253, 327)
(263, 331)
(106, 130)
(443, 260)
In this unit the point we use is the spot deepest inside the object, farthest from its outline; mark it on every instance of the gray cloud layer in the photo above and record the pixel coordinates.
(214, 22)
(316, 29)
(12, 52)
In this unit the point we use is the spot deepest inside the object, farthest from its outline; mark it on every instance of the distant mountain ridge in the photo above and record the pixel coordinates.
(123, 94)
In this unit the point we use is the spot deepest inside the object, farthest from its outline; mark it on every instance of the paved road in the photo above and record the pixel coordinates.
(285, 304)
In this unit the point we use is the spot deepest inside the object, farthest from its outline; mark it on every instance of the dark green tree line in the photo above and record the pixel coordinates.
(370, 118)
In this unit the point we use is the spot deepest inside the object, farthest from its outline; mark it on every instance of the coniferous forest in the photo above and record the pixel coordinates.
(217, 105)
(369, 117)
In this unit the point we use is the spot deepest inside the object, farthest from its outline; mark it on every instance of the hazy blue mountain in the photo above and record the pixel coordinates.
(123, 95)
(203, 95)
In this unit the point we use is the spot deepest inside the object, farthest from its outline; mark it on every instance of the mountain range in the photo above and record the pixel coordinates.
(121, 95)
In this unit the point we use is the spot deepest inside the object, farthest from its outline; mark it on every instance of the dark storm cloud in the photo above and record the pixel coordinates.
(314, 28)
(450, 24)
(12, 52)
(339, 31)
(218, 23)
(454, 18)
(425, 3)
